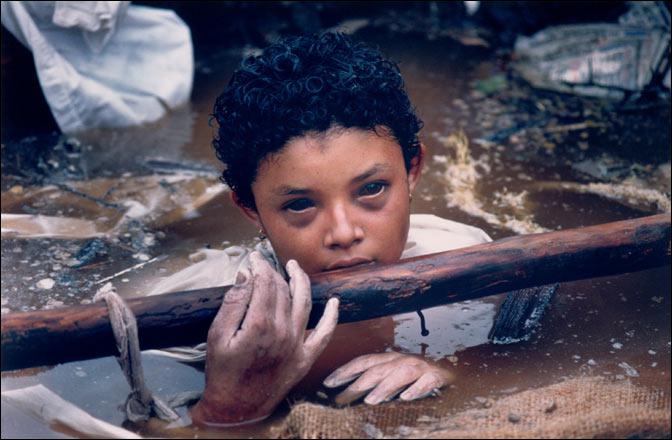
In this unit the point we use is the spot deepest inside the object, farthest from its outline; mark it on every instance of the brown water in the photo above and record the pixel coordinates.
(591, 327)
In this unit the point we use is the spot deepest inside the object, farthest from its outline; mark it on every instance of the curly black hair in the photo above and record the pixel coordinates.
(307, 84)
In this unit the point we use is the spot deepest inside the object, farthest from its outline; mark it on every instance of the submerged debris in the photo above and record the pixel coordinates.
(513, 418)
(372, 431)
(42, 159)
(165, 166)
(38, 226)
(629, 370)
(88, 253)
(46, 283)
(550, 407)
(521, 313)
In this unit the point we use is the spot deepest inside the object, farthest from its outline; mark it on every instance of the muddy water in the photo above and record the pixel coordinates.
(502, 174)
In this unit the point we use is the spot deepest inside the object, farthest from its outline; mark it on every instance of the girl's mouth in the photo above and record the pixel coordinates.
(340, 264)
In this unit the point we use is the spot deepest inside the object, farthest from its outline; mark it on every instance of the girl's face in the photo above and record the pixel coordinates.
(336, 200)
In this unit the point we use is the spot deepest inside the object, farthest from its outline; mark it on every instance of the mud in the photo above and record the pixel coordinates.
(504, 158)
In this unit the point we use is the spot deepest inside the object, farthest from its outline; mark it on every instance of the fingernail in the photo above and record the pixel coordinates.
(289, 263)
(407, 396)
(372, 400)
(329, 382)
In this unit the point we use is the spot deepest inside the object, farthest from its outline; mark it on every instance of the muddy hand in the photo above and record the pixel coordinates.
(256, 349)
(385, 375)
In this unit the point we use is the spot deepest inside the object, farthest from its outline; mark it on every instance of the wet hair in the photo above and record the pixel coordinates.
(303, 85)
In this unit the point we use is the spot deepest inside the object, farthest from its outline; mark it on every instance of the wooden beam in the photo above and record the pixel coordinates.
(84, 332)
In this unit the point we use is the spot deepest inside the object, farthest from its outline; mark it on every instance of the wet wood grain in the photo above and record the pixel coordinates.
(84, 332)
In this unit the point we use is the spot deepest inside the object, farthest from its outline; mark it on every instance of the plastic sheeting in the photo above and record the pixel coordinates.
(601, 59)
(105, 63)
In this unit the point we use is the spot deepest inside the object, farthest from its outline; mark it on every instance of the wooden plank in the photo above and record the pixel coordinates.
(83, 332)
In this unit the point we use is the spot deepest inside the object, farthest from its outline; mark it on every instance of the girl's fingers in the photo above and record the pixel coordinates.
(299, 287)
(283, 309)
(393, 383)
(324, 330)
(261, 312)
(357, 366)
(426, 384)
(233, 308)
(366, 382)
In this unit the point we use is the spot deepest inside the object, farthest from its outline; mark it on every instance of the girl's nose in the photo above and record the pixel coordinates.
(343, 231)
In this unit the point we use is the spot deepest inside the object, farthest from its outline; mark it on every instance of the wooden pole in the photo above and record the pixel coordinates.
(84, 332)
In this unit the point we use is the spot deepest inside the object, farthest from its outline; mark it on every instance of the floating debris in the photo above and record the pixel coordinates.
(111, 207)
(165, 166)
(371, 431)
(484, 401)
(461, 178)
(629, 370)
(606, 60)
(645, 194)
(605, 168)
(39, 226)
(550, 407)
(46, 283)
(53, 304)
(88, 253)
(491, 85)
(137, 266)
(514, 418)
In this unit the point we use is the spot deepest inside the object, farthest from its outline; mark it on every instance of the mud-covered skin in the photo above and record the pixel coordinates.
(256, 350)
(384, 375)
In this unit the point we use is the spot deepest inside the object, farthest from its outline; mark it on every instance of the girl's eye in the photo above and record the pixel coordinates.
(372, 189)
(299, 205)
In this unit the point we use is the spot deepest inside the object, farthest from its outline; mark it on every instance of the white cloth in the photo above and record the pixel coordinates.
(105, 63)
(47, 406)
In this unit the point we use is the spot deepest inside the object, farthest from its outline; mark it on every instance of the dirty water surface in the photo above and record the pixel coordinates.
(510, 161)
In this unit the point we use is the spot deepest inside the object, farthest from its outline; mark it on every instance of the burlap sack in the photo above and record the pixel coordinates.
(589, 407)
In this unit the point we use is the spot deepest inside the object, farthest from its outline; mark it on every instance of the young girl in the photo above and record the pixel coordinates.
(322, 154)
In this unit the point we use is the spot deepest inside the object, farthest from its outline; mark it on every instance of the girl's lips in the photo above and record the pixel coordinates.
(348, 263)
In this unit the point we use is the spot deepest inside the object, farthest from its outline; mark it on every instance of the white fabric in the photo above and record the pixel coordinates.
(105, 63)
(47, 406)
(215, 268)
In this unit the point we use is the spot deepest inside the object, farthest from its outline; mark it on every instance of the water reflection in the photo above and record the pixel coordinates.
(452, 328)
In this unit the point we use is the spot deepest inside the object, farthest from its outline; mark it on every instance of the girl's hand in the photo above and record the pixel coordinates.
(256, 350)
(386, 374)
